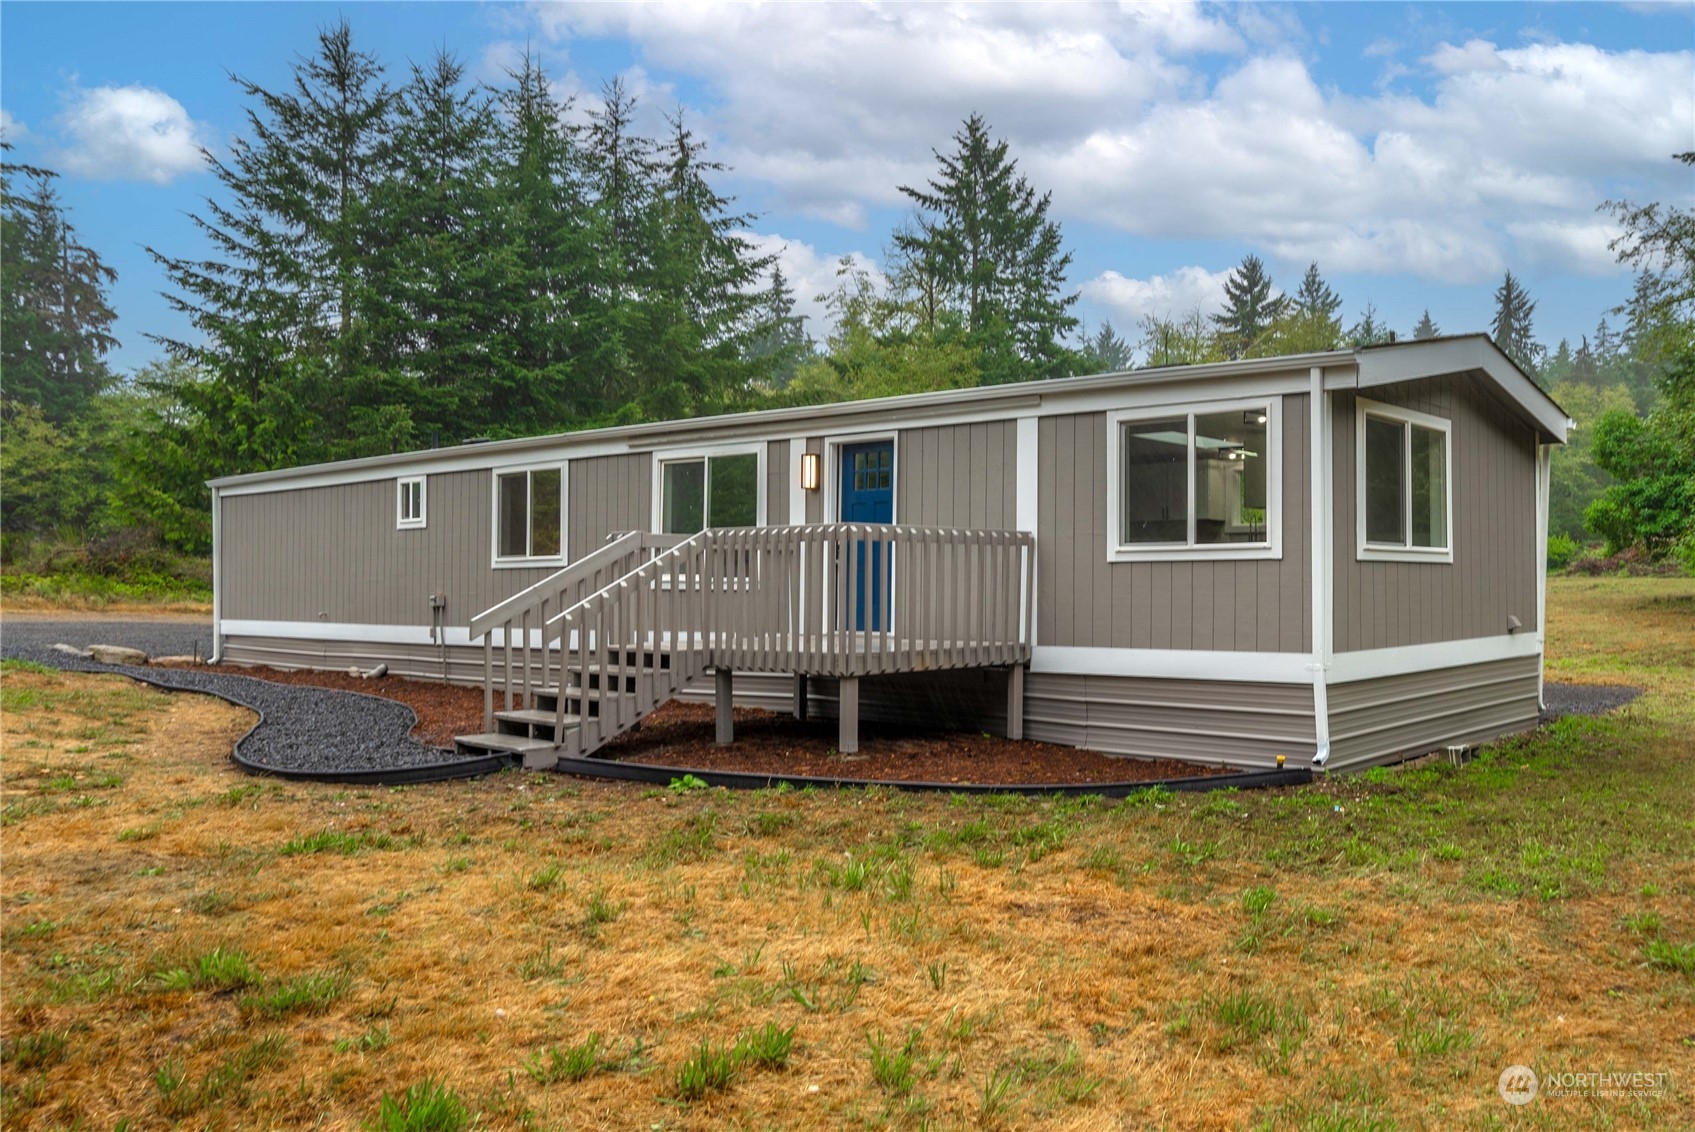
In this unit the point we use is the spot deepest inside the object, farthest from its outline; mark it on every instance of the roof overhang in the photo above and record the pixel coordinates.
(1467, 354)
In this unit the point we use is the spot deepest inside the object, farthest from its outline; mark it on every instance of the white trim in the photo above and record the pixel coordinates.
(659, 457)
(515, 563)
(1409, 361)
(1320, 561)
(833, 445)
(1119, 551)
(217, 577)
(356, 633)
(1386, 552)
(1371, 664)
(1173, 664)
(1544, 469)
(797, 493)
(421, 520)
(1027, 514)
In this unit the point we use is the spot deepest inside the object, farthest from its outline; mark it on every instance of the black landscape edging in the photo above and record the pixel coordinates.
(744, 780)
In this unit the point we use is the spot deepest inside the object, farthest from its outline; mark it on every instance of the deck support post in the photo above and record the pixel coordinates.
(723, 680)
(848, 715)
(801, 692)
(1015, 702)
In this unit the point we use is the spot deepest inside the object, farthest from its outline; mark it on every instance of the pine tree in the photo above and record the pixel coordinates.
(1104, 351)
(1249, 308)
(1425, 328)
(1315, 299)
(984, 247)
(783, 341)
(1368, 331)
(57, 323)
(1511, 327)
(1306, 324)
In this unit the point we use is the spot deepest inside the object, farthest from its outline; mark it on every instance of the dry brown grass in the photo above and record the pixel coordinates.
(1064, 965)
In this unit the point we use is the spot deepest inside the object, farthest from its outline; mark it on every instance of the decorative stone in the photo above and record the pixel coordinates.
(71, 650)
(173, 662)
(116, 654)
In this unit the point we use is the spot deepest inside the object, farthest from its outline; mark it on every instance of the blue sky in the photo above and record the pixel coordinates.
(1415, 151)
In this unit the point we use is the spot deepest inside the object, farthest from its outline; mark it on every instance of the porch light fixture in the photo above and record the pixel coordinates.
(811, 470)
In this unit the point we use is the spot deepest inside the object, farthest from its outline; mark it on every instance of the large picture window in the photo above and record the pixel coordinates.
(1196, 483)
(528, 508)
(1404, 484)
(708, 491)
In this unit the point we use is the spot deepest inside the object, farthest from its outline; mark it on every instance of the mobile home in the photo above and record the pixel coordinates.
(1336, 558)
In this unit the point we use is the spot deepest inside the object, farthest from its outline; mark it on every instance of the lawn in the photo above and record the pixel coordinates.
(186, 945)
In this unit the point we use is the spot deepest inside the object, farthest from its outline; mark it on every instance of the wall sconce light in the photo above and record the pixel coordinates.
(811, 469)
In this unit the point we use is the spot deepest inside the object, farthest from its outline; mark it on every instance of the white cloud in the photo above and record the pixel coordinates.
(1128, 301)
(810, 275)
(835, 106)
(129, 133)
(11, 129)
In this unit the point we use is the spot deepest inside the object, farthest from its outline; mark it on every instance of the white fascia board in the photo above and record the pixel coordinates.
(217, 576)
(1372, 664)
(1173, 664)
(1409, 361)
(369, 634)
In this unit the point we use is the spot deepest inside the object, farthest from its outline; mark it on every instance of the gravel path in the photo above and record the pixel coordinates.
(304, 729)
(315, 730)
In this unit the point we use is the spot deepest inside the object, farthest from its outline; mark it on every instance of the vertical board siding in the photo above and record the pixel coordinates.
(777, 473)
(1389, 604)
(609, 495)
(1396, 717)
(1262, 605)
(962, 475)
(815, 499)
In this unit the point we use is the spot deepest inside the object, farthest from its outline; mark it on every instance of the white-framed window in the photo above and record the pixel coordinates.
(529, 514)
(409, 502)
(1189, 482)
(722, 487)
(1404, 484)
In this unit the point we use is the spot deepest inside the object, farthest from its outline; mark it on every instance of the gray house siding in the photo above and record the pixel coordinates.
(777, 483)
(1084, 600)
(1389, 604)
(333, 554)
(1395, 717)
(963, 475)
(607, 494)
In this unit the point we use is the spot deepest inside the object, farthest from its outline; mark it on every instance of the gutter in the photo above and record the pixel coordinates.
(1321, 562)
(217, 656)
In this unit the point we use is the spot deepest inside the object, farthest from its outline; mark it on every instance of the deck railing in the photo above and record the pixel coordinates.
(841, 599)
(522, 618)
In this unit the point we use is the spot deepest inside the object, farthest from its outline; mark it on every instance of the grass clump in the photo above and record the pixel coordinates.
(335, 841)
(227, 1082)
(35, 1051)
(710, 1068)
(428, 1106)
(305, 994)
(573, 1063)
(1668, 956)
(220, 969)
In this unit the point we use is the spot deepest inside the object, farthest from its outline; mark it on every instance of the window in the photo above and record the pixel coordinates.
(528, 506)
(1404, 484)
(1198, 483)
(709, 491)
(409, 502)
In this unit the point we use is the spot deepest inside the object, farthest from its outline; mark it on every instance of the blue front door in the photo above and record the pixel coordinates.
(868, 496)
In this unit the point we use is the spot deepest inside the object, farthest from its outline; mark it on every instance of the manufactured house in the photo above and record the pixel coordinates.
(1336, 558)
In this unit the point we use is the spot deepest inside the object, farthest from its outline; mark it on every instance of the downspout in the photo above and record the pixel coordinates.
(1318, 444)
(217, 579)
(1544, 470)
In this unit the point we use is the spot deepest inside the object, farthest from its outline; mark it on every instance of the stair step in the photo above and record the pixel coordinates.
(534, 717)
(538, 754)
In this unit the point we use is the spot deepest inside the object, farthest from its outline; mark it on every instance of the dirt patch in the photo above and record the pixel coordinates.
(683, 735)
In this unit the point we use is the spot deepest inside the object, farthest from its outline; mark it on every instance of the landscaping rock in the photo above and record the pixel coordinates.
(116, 654)
(71, 650)
(173, 662)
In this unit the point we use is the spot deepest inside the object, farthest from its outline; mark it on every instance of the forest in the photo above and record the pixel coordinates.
(406, 259)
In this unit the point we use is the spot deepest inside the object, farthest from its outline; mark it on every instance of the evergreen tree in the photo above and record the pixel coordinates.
(984, 248)
(1511, 327)
(1426, 328)
(1315, 299)
(1104, 351)
(57, 324)
(1368, 331)
(1179, 341)
(1307, 323)
(1249, 308)
(783, 341)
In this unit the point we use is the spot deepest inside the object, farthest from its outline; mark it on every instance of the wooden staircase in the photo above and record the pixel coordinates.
(587, 653)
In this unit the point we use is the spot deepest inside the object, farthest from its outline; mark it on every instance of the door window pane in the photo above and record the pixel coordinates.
(1429, 487)
(1385, 485)
(1156, 494)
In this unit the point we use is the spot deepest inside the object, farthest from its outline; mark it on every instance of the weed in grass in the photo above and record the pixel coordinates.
(769, 824)
(541, 965)
(428, 1106)
(686, 784)
(893, 1067)
(225, 1082)
(1433, 1039)
(995, 1096)
(305, 994)
(573, 1063)
(35, 1051)
(1670, 956)
(1150, 797)
(711, 1068)
(373, 1039)
(220, 969)
(693, 840)
(600, 910)
(549, 878)
(1191, 855)
(767, 1047)
(141, 833)
(1104, 859)
(1643, 923)
(937, 970)
(1256, 900)
(212, 902)
(986, 858)
(335, 841)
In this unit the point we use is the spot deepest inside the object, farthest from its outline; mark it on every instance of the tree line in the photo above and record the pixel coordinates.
(397, 262)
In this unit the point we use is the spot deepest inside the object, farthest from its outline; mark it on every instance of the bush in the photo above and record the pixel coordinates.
(1561, 550)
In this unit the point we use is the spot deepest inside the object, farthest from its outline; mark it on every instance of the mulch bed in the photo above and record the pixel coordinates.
(682, 735)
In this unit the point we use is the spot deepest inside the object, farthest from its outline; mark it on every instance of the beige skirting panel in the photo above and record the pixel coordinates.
(1398, 717)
